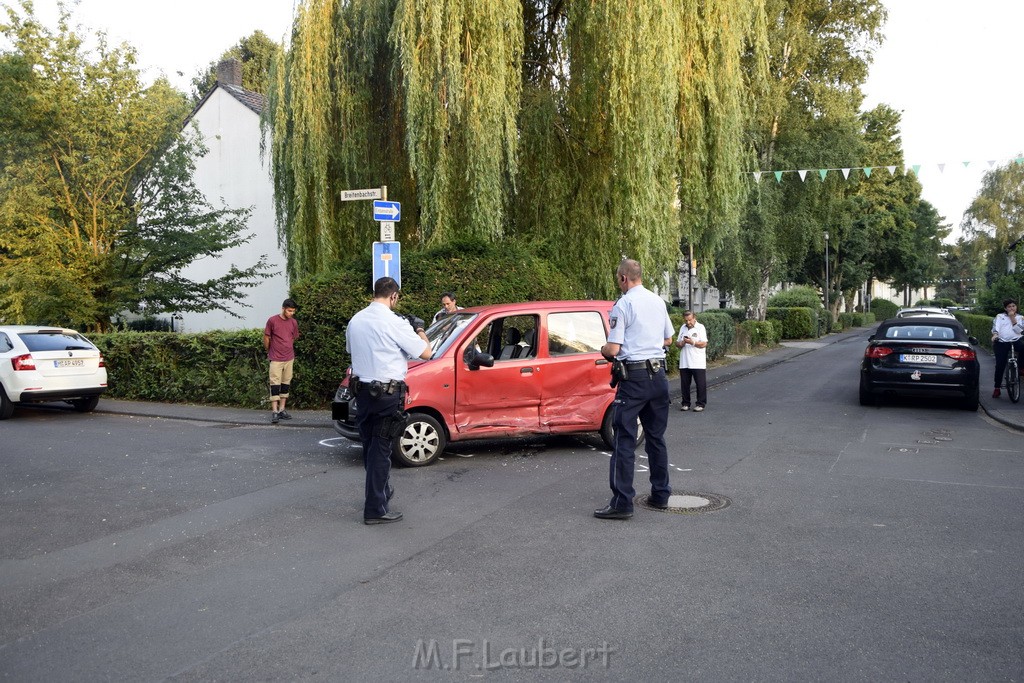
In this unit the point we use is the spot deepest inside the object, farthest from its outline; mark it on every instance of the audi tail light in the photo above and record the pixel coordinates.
(961, 354)
(877, 352)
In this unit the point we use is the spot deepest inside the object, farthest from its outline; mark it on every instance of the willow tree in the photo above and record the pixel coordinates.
(336, 123)
(460, 62)
(715, 99)
(621, 113)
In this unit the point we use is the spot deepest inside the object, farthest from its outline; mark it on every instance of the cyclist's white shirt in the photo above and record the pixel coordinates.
(1006, 331)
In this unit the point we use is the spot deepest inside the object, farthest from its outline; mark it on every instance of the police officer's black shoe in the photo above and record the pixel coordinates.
(608, 512)
(386, 518)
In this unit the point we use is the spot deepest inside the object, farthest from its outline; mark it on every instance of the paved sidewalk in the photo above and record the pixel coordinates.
(999, 409)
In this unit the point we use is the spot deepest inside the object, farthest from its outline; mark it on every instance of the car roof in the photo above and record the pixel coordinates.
(530, 306)
(19, 329)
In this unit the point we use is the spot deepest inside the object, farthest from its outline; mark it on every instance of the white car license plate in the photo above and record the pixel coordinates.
(917, 358)
(69, 363)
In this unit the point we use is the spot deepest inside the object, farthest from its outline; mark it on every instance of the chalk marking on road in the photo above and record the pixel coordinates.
(841, 451)
(349, 443)
(947, 447)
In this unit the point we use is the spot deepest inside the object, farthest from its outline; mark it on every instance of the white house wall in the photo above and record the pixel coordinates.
(232, 174)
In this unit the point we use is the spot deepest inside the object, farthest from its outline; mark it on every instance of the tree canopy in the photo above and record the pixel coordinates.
(98, 211)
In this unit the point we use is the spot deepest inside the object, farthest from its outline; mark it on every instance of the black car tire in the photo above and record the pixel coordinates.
(85, 405)
(971, 402)
(421, 443)
(866, 398)
(608, 430)
(6, 407)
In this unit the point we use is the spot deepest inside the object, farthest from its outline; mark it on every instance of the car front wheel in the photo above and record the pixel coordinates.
(421, 443)
(608, 429)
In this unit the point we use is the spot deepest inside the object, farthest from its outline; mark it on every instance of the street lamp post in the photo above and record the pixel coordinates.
(826, 270)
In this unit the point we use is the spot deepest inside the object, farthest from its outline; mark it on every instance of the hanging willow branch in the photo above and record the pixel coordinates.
(461, 64)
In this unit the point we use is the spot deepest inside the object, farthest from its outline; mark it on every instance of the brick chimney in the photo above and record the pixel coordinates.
(229, 72)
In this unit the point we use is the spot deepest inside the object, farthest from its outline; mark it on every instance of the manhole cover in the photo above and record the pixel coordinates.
(688, 503)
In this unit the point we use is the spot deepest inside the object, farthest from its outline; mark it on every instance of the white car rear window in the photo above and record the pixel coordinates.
(55, 341)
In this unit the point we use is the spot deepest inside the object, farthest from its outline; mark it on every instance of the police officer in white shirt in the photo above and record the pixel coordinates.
(380, 343)
(640, 331)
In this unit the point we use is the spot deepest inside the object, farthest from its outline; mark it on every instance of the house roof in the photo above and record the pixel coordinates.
(253, 100)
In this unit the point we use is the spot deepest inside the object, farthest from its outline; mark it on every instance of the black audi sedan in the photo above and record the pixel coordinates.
(920, 356)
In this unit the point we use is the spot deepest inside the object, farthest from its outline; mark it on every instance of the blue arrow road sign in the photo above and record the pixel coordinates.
(387, 261)
(387, 211)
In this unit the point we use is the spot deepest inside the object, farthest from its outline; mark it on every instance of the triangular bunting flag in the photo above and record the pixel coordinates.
(867, 171)
(846, 173)
(757, 176)
(803, 174)
(892, 170)
(991, 163)
(778, 176)
(915, 169)
(942, 167)
(966, 164)
(1019, 160)
(823, 172)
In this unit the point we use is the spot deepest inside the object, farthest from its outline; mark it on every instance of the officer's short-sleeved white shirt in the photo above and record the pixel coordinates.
(640, 324)
(381, 344)
(690, 356)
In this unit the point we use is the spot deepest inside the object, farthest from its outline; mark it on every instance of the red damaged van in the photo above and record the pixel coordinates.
(502, 371)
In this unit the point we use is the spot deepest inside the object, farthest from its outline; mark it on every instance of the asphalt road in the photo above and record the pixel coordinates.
(860, 544)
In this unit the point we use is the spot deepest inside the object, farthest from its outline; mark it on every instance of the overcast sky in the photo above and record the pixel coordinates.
(951, 67)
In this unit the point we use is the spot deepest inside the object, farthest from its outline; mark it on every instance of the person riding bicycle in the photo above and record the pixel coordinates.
(1007, 329)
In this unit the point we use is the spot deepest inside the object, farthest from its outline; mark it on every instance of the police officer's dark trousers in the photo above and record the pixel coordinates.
(371, 418)
(645, 397)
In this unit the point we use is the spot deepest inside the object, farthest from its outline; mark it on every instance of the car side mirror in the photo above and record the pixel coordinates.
(871, 338)
(477, 359)
(973, 341)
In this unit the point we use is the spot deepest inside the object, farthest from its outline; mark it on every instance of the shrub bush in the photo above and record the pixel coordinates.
(762, 333)
(797, 322)
(794, 297)
(1010, 286)
(979, 326)
(856, 319)
(219, 368)
(737, 314)
(883, 308)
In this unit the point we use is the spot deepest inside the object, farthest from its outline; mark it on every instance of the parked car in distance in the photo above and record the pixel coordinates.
(920, 356)
(44, 364)
(923, 310)
(505, 370)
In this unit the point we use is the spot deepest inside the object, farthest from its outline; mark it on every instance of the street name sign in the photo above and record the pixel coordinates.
(358, 195)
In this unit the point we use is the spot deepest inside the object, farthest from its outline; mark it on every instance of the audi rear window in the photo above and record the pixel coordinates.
(55, 341)
(923, 332)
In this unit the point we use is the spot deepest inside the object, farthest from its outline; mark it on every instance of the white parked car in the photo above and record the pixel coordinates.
(42, 364)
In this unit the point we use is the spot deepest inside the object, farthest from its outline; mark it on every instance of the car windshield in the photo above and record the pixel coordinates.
(936, 332)
(446, 330)
(55, 341)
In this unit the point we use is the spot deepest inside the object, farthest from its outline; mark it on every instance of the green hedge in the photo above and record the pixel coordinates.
(883, 308)
(762, 333)
(848, 320)
(218, 368)
(979, 326)
(798, 322)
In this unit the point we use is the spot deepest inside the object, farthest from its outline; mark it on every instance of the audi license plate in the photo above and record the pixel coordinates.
(917, 358)
(69, 363)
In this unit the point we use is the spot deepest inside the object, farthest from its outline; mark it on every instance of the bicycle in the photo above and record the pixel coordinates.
(1013, 375)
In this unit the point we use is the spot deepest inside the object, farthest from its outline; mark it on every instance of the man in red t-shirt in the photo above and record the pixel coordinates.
(278, 339)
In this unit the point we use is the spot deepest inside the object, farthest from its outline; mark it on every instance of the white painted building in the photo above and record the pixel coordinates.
(233, 174)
